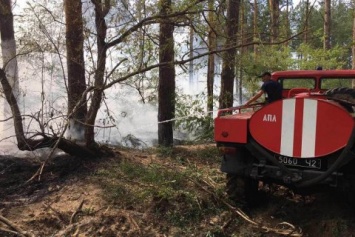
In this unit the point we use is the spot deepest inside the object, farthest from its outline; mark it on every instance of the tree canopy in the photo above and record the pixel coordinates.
(114, 48)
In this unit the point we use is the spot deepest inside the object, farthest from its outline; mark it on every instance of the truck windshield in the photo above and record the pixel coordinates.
(289, 83)
(330, 83)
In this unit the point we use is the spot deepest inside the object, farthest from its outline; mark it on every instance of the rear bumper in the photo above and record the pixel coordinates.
(294, 177)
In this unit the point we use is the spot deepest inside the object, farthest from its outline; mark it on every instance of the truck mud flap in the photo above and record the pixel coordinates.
(235, 164)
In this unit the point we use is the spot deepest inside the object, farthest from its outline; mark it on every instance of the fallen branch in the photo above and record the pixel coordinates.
(76, 212)
(289, 231)
(71, 227)
(17, 230)
(8, 231)
(58, 214)
(132, 222)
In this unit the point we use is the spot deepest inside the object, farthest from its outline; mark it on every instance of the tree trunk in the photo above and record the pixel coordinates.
(191, 55)
(32, 144)
(8, 48)
(287, 22)
(76, 69)
(8, 45)
(228, 63)
(327, 19)
(212, 45)
(15, 110)
(306, 23)
(101, 10)
(166, 87)
(9, 84)
(255, 26)
(243, 51)
(140, 4)
(275, 17)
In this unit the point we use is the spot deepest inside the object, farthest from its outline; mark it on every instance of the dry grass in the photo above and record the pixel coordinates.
(154, 192)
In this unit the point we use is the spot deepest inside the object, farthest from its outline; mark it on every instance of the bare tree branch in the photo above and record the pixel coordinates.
(14, 227)
(180, 62)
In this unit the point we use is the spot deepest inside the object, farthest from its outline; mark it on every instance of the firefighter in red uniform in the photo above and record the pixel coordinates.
(272, 89)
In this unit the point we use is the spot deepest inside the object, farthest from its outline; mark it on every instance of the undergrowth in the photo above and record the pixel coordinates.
(178, 187)
(178, 190)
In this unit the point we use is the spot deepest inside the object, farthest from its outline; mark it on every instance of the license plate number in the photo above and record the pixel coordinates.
(300, 162)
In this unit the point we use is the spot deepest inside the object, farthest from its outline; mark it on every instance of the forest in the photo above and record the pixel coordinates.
(75, 71)
(65, 63)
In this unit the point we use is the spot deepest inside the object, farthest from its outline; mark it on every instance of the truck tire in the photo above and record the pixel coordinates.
(344, 96)
(347, 190)
(242, 190)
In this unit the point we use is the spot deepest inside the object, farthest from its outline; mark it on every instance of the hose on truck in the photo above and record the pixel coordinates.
(342, 158)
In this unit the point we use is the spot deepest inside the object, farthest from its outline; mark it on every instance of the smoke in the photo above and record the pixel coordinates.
(126, 120)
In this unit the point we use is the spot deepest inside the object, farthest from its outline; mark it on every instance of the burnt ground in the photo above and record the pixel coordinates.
(176, 192)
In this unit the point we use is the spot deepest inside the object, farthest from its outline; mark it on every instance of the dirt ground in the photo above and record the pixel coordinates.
(71, 199)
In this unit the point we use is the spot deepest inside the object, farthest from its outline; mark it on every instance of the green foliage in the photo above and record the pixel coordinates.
(193, 117)
(209, 153)
(275, 58)
(164, 151)
(167, 188)
(153, 174)
(188, 211)
(341, 24)
(251, 85)
(329, 83)
(269, 58)
(309, 58)
(298, 83)
(150, 177)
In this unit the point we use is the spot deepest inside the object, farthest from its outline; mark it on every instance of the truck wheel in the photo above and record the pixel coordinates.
(344, 96)
(347, 190)
(242, 190)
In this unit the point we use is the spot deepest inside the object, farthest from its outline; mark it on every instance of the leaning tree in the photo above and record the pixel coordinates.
(86, 94)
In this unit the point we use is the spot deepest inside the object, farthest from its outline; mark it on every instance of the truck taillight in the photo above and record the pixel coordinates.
(225, 150)
(224, 134)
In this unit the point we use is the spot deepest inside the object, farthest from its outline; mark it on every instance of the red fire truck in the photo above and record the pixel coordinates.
(304, 141)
